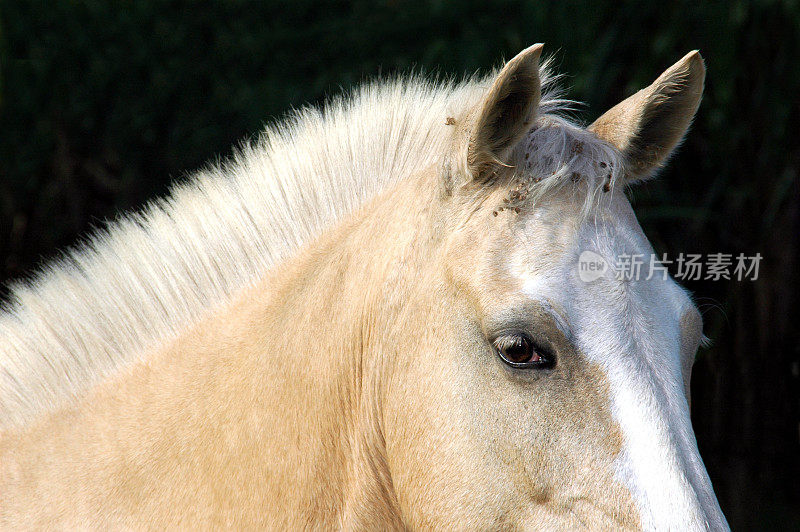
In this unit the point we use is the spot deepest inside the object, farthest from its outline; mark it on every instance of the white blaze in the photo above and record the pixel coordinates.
(631, 329)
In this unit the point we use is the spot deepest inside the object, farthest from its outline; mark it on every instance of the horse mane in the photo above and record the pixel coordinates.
(149, 275)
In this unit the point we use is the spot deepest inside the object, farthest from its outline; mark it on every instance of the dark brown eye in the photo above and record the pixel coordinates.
(519, 351)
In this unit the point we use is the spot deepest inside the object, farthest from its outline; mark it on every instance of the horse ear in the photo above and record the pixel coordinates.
(648, 126)
(506, 112)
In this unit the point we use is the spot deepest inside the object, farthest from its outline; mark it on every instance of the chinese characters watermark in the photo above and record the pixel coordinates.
(686, 267)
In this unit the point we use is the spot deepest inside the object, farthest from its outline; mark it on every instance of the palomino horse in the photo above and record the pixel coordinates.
(372, 318)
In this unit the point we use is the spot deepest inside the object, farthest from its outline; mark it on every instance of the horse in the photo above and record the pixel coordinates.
(372, 317)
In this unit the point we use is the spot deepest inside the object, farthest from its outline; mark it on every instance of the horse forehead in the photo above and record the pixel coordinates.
(552, 238)
(547, 265)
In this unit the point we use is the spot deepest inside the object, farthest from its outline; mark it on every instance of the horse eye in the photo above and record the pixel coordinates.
(519, 351)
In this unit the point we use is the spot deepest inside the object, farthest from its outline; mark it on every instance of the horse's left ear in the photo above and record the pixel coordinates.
(647, 126)
(506, 112)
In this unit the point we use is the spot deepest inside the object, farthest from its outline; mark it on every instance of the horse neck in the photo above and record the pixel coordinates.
(279, 393)
(331, 304)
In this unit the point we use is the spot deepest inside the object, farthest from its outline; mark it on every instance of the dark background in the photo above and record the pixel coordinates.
(103, 103)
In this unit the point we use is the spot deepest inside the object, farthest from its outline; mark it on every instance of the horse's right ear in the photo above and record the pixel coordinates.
(506, 112)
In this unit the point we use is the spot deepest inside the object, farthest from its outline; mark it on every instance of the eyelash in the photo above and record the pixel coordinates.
(518, 350)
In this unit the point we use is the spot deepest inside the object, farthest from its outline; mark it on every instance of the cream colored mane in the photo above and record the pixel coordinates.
(151, 274)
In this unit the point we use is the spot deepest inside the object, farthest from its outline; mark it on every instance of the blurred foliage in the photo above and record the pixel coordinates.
(103, 103)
